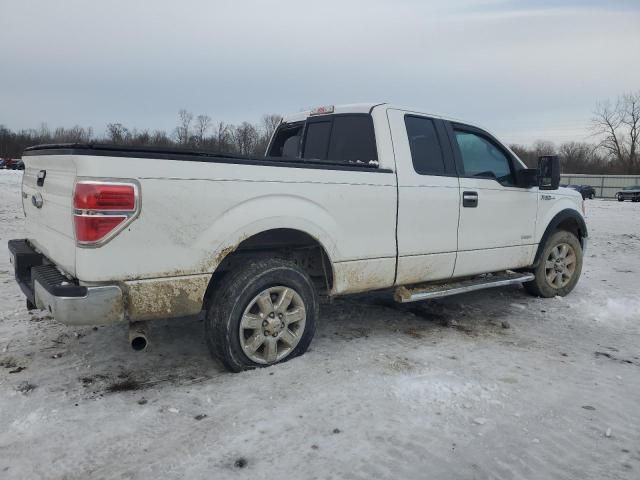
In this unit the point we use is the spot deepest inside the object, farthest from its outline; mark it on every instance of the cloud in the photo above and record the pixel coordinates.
(522, 68)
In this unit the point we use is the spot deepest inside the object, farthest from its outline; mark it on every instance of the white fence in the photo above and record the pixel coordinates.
(606, 185)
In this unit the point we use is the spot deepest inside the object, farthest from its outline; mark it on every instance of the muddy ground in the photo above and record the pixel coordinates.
(494, 384)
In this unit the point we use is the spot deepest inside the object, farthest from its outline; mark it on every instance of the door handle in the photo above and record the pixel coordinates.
(42, 174)
(470, 199)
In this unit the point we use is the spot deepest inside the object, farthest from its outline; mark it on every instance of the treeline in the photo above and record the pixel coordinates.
(575, 157)
(616, 125)
(195, 132)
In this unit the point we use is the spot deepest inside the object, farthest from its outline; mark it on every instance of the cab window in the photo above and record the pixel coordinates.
(340, 138)
(426, 152)
(286, 141)
(483, 158)
(317, 138)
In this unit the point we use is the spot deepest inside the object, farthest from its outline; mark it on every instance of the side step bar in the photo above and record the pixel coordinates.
(429, 291)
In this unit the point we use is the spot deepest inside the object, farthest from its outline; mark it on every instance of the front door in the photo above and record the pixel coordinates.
(497, 218)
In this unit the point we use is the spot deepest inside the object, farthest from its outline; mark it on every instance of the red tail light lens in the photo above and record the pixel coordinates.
(102, 210)
(96, 196)
(93, 228)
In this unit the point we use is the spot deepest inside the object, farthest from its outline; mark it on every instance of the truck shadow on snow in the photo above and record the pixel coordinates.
(178, 355)
(478, 313)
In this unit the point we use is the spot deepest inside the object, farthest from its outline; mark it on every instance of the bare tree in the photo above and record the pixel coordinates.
(577, 157)
(530, 155)
(245, 137)
(544, 147)
(117, 133)
(183, 129)
(270, 123)
(44, 133)
(203, 122)
(618, 128)
(221, 139)
(159, 138)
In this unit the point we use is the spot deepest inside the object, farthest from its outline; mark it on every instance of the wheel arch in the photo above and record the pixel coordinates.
(303, 248)
(568, 220)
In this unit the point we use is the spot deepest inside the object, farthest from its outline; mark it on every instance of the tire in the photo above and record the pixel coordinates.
(592, 196)
(552, 262)
(243, 313)
(620, 198)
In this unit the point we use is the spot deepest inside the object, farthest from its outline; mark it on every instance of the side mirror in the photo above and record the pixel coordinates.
(549, 172)
(527, 178)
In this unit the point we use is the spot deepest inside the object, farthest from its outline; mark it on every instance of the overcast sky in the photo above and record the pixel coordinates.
(526, 69)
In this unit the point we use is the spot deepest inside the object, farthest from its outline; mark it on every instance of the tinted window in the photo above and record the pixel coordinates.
(317, 140)
(353, 139)
(426, 152)
(285, 141)
(346, 138)
(482, 158)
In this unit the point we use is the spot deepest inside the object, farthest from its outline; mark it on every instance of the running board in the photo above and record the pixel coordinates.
(429, 291)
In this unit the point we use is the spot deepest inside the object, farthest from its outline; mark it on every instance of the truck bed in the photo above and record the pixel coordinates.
(197, 206)
(190, 155)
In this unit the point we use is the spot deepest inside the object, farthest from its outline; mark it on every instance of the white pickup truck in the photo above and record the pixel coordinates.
(347, 199)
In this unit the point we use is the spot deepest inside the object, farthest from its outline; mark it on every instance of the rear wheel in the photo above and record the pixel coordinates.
(264, 313)
(592, 196)
(559, 267)
(620, 198)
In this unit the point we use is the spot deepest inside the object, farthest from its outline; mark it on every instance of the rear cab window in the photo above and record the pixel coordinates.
(346, 138)
(340, 138)
(286, 141)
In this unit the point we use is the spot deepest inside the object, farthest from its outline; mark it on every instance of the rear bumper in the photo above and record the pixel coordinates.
(69, 303)
(100, 306)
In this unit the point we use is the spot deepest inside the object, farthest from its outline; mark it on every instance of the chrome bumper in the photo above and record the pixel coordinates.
(68, 301)
(100, 306)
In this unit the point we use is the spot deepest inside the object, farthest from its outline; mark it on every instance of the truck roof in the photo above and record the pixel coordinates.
(366, 107)
(345, 108)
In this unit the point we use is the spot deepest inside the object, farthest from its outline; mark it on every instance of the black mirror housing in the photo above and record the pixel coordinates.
(527, 178)
(548, 172)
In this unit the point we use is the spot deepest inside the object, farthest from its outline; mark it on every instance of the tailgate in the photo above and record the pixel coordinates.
(47, 196)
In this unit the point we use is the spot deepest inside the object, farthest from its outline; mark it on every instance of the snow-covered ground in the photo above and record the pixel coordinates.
(437, 390)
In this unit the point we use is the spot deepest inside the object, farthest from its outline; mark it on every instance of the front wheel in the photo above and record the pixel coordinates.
(592, 196)
(264, 313)
(620, 198)
(558, 268)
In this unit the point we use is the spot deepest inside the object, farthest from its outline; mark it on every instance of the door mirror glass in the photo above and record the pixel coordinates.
(548, 172)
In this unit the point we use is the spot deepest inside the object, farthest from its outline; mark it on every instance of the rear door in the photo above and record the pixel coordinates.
(497, 218)
(47, 196)
(428, 198)
(362, 201)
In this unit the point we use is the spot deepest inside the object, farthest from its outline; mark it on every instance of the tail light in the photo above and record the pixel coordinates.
(101, 210)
